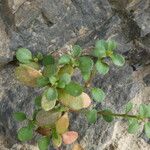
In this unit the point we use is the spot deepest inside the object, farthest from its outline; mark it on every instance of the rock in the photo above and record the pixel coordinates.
(6, 55)
(51, 25)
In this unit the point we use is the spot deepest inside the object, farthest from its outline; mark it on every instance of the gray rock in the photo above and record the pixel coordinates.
(49, 25)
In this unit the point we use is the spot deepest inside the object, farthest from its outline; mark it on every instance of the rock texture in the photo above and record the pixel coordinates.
(50, 25)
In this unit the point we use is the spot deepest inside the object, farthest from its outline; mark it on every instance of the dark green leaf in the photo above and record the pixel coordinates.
(98, 94)
(118, 59)
(85, 65)
(147, 129)
(111, 45)
(107, 115)
(42, 81)
(92, 116)
(51, 94)
(43, 143)
(37, 101)
(76, 50)
(50, 70)
(128, 107)
(64, 59)
(102, 68)
(19, 116)
(133, 126)
(25, 134)
(74, 89)
(24, 55)
(48, 60)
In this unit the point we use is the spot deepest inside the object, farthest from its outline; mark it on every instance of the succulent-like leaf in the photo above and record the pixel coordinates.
(133, 126)
(25, 134)
(62, 124)
(74, 89)
(76, 50)
(147, 129)
(19, 116)
(144, 110)
(37, 101)
(47, 104)
(107, 115)
(42, 81)
(57, 141)
(50, 70)
(47, 118)
(92, 116)
(27, 75)
(75, 103)
(69, 137)
(128, 107)
(24, 55)
(48, 60)
(43, 143)
(64, 59)
(98, 94)
(51, 94)
(118, 59)
(85, 65)
(102, 68)
(111, 45)
(65, 69)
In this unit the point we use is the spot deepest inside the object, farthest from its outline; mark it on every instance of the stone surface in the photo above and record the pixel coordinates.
(51, 25)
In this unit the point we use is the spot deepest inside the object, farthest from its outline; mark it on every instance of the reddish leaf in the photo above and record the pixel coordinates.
(69, 137)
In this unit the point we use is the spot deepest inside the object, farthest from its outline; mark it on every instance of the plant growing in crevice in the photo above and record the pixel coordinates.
(62, 95)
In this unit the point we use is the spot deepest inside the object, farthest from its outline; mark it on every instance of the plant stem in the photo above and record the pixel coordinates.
(103, 112)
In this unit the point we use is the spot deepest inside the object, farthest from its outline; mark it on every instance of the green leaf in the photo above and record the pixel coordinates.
(102, 68)
(144, 110)
(51, 94)
(76, 50)
(98, 94)
(128, 107)
(43, 143)
(39, 56)
(53, 80)
(50, 70)
(37, 101)
(85, 65)
(92, 116)
(25, 134)
(42, 81)
(64, 59)
(24, 55)
(19, 116)
(100, 48)
(147, 129)
(111, 45)
(57, 141)
(47, 104)
(64, 80)
(74, 89)
(107, 115)
(118, 59)
(48, 60)
(133, 126)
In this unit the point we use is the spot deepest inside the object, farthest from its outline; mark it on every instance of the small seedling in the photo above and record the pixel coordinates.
(61, 95)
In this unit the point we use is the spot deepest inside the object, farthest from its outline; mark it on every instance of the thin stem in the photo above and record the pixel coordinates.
(103, 112)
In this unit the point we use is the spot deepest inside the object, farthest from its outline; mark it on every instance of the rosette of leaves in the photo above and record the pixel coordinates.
(62, 95)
